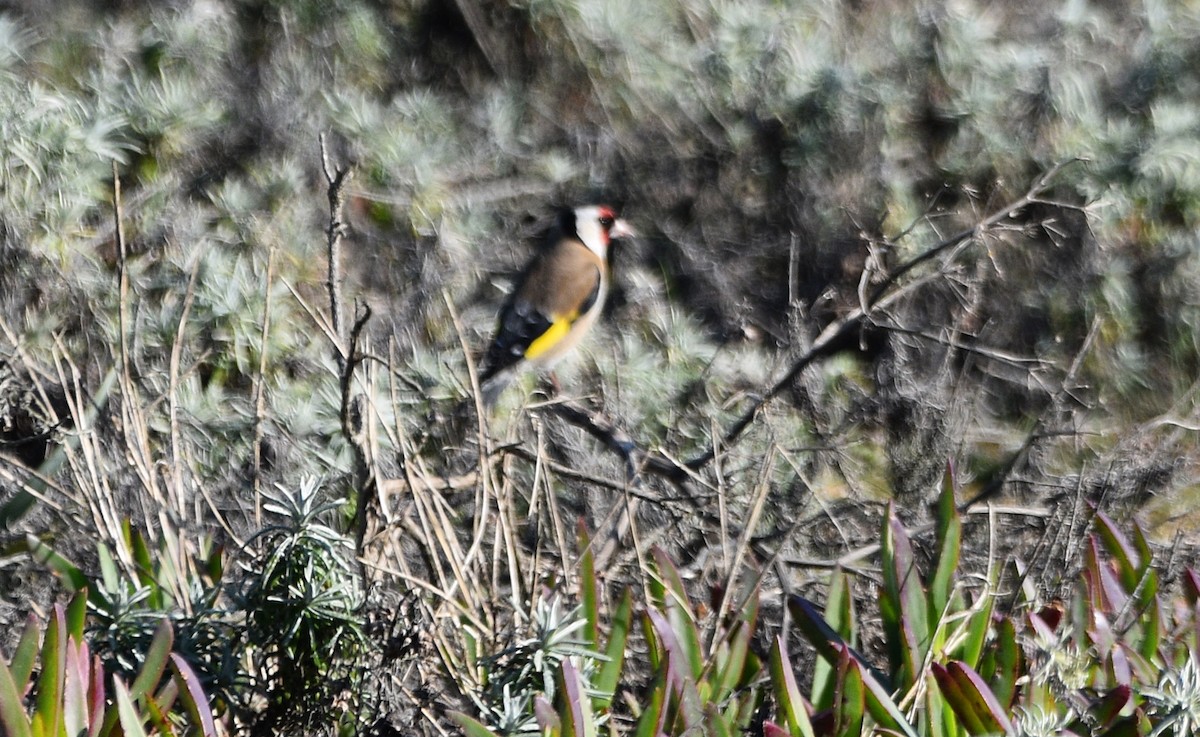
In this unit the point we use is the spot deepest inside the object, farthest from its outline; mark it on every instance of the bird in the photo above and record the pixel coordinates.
(557, 298)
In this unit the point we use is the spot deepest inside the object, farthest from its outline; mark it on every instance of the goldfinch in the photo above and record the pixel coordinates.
(556, 300)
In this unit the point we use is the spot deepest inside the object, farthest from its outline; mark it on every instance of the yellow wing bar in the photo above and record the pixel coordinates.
(547, 340)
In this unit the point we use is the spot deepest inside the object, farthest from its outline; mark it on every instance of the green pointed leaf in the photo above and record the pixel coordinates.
(902, 603)
(978, 627)
(949, 542)
(729, 674)
(655, 651)
(1009, 663)
(109, 573)
(131, 722)
(77, 613)
(653, 717)
(839, 613)
(881, 707)
(940, 717)
(158, 719)
(610, 670)
(76, 674)
(679, 613)
(25, 655)
(72, 578)
(12, 710)
(470, 727)
(823, 638)
(143, 561)
(157, 657)
(1140, 544)
(787, 693)
(589, 588)
(850, 701)
(679, 675)
(167, 695)
(50, 681)
(716, 723)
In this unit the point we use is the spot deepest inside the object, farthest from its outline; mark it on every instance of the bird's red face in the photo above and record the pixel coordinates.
(597, 225)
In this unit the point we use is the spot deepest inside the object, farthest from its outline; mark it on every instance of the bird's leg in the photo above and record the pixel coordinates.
(554, 383)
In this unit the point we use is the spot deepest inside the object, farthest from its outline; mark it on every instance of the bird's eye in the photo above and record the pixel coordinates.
(606, 221)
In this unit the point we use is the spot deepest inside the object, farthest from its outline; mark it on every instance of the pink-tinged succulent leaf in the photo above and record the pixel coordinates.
(577, 712)
(194, 698)
(679, 670)
(1191, 586)
(771, 729)
(75, 686)
(547, 719)
(970, 698)
(96, 697)
(1122, 673)
(1123, 553)
(1107, 711)
(822, 637)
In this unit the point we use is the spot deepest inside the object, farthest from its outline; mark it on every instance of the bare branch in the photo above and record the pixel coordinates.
(637, 460)
(833, 339)
(336, 180)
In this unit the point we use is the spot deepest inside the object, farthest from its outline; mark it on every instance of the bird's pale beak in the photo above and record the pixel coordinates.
(621, 229)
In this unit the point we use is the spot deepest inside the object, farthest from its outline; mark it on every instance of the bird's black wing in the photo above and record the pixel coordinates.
(520, 324)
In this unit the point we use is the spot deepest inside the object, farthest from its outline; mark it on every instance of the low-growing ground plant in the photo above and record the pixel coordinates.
(61, 688)
(1115, 658)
